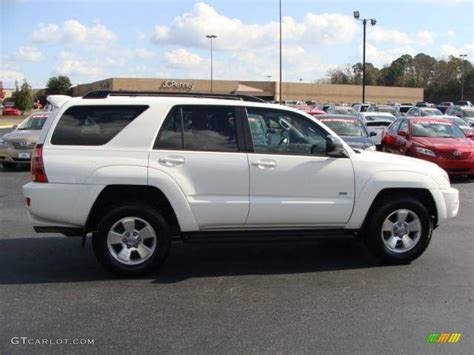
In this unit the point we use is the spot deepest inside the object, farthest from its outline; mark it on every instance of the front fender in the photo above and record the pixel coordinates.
(392, 180)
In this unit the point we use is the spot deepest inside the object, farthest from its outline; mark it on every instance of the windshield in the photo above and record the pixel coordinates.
(34, 122)
(352, 128)
(468, 113)
(404, 109)
(436, 129)
(431, 112)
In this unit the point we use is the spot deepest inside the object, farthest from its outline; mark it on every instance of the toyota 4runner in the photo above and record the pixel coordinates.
(135, 170)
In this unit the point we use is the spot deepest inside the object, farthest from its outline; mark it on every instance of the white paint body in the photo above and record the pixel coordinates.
(223, 191)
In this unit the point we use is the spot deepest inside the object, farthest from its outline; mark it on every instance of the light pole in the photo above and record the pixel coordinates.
(211, 37)
(462, 75)
(280, 98)
(364, 21)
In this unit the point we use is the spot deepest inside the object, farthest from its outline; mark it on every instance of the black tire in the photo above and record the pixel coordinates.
(373, 230)
(142, 211)
(9, 165)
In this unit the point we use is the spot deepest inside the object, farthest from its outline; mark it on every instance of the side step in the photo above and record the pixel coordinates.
(266, 235)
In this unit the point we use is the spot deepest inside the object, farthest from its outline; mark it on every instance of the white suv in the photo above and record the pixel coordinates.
(135, 170)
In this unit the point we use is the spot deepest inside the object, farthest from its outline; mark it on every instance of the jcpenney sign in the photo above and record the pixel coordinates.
(174, 84)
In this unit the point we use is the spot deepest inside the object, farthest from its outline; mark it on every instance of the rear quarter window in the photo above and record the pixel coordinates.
(94, 125)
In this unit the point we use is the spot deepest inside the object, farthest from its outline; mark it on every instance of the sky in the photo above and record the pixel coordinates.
(90, 40)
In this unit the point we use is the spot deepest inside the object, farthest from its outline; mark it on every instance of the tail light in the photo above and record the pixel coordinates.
(38, 174)
(388, 140)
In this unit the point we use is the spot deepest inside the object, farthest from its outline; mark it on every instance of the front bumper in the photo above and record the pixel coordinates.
(17, 156)
(452, 166)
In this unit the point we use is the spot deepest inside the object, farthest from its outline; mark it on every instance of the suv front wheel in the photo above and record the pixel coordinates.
(132, 239)
(399, 231)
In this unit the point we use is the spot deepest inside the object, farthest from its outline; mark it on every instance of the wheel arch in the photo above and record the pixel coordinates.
(177, 217)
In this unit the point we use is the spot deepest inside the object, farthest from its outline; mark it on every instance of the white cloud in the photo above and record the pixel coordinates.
(10, 76)
(448, 50)
(28, 53)
(144, 53)
(191, 28)
(379, 57)
(181, 58)
(379, 34)
(425, 37)
(73, 32)
(71, 65)
(450, 33)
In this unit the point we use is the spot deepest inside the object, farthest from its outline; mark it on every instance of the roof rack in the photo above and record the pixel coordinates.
(102, 94)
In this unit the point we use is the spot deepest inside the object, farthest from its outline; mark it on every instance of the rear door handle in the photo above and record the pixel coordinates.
(265, 163)
(172, 160)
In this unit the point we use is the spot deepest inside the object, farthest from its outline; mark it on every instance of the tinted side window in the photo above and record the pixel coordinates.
(93, 125)
(282, 132)
(203, 128)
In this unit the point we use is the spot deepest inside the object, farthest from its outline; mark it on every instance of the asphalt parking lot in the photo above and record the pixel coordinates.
(324, 297)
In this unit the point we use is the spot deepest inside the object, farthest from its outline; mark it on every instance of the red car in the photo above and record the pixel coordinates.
(434, 139)
(11, 111)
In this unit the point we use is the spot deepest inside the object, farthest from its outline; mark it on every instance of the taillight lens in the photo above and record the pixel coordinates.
(38, 174)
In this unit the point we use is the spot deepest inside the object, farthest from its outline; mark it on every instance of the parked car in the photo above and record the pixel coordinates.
(137, 171)
(17, 146)
(11, 111)
(292, 103)
(443, 106)
(384, 108)
(403, 109)
(342, 110)
(360, 107)
(466, 113)
(316, 112)
(377, 123)
(352, 130)
(465, 127)
(434, 139)
(423, 112)
(464, 103)
(422, 104)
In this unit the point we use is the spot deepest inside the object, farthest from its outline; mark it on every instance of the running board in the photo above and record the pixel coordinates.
(266, 235)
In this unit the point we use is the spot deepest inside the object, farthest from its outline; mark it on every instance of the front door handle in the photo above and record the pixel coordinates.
(172, 160)
(265, 163)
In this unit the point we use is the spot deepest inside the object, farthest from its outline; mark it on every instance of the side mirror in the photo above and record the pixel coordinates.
(334, 147)
(402, 133)
(372, 134)
(15, 126)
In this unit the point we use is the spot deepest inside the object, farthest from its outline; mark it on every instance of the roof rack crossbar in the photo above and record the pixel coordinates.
(102, 94)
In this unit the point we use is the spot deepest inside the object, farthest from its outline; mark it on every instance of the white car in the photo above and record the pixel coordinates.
(134, 170)
(378, 122)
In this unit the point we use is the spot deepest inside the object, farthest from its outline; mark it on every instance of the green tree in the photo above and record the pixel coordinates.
(24, 97)
(58, 85)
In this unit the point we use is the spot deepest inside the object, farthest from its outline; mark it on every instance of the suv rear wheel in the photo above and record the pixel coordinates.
(399, 231)
(132, 239)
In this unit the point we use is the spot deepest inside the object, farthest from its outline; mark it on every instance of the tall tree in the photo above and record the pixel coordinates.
(58, 85)
(24, 97)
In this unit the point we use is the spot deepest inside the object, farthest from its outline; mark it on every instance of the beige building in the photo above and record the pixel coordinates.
(265, 89)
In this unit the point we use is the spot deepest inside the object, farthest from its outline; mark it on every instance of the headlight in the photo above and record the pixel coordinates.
(3, 143)
(370, 148)
(425, 151)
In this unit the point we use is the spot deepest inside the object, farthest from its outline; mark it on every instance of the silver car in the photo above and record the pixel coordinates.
(16, 147)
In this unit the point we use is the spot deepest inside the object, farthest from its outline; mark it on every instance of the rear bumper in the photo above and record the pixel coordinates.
(10, 155)
(60, 205)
